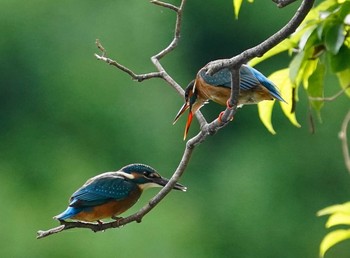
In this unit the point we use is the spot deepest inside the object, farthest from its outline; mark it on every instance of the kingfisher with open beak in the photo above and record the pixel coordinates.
(109, 194)
(254, 87)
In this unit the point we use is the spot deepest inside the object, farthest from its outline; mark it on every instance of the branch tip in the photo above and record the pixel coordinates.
(166, 5)
(100, 47)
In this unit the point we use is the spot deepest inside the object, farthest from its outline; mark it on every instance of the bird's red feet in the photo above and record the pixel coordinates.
(229, 106)
(220, 117)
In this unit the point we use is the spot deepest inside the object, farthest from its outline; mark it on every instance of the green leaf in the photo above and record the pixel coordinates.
(313, 18)
(334, 37)
(303, 64)
(332, 239)
(339, 218)
(281, 47)
(285, 85)
(237, 6)
(295, 65)
(316, 85)
(265, 114)
(340, 61)
(344, 208)
(309, 36)
(308, 70)
(344, 10)
(312, 41)
(281, 79)
(344, 80)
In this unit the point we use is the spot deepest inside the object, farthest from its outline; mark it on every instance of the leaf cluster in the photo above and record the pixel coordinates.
(338, 215)
(321, 45)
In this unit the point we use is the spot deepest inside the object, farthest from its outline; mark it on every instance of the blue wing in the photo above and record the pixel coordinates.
(249, 79)
(259, 79)
(100, 190)
(221, 78)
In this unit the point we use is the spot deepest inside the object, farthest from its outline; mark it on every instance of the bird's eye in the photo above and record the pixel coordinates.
(146, 174)
(149, 175)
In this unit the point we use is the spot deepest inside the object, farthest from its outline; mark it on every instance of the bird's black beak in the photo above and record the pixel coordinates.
(163, 181)
(181, 111)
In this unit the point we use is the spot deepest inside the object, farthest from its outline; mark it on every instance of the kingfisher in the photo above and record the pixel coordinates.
(109, 194)
(254, 87)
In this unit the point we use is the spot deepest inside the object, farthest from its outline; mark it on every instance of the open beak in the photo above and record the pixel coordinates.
(163, 181)
(188, 123)
(189, 118)
(181, 111)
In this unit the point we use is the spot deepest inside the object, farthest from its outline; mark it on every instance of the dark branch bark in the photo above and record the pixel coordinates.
(266, 45)
(206, 128)
(283, 3)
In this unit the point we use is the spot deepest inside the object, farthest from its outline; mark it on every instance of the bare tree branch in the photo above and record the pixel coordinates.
(332, 98)
(189, 147)
(137, 77)
(167, 5)
(205, 128)
(344, 141)
(266, 45)
(283, 3)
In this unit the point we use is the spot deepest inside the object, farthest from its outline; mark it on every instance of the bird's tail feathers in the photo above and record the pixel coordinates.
(68, 213)
(277, 96)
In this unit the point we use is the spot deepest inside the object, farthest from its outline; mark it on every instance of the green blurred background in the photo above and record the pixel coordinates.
(66, 117)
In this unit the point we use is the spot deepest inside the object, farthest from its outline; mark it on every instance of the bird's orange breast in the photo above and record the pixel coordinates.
(215, 93)
(109, 209)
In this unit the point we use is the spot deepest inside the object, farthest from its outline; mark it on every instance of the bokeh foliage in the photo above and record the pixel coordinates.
(321, 44)
(66, 117)
(338, 215)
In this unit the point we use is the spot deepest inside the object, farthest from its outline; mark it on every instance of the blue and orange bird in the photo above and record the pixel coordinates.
(254, 87)
(109, 194)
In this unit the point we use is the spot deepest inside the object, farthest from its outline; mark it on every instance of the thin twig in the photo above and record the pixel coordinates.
(283, 3)
(100, 47)
(137, 77)
(332, 98)
(206, 129)
(166, 5)
(344, 141)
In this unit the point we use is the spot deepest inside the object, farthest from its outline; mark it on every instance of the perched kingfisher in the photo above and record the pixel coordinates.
(254, 87)
(109, 194)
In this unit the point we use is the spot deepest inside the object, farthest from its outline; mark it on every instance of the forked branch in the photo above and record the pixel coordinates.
(206, 128)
